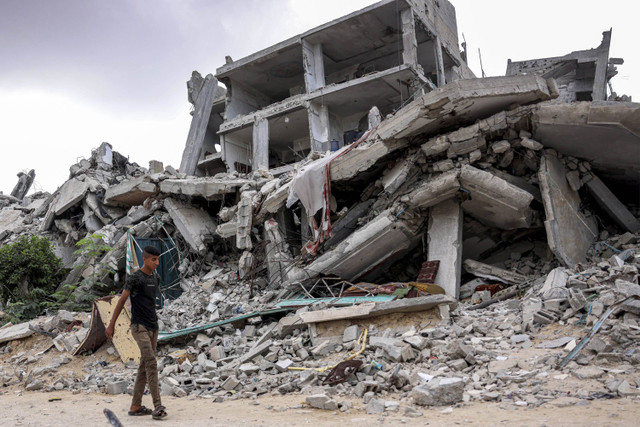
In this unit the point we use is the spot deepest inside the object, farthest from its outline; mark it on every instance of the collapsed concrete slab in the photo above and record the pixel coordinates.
(362, 158)
(372, 246)
(569, 233)
(494, 201)
(433, 191)
(445, 244)
(605, 133)
(366, 310)
(70, 194)
(195, 225)
(612, 205)
(10, 220)
(348, 223)
(15, 332)
(494, 273)
(208, 188)
(461, 103)
(132, 192)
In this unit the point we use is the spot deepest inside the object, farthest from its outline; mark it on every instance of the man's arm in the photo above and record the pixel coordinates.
(116, 313)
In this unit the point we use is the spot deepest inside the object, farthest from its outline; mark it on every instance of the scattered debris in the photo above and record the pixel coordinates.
(431, 241)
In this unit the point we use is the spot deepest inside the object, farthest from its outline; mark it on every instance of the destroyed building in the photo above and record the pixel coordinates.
(581, 75)
(305, 92)
(360, 182)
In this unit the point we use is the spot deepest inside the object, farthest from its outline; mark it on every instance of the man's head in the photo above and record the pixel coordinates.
(150, 258)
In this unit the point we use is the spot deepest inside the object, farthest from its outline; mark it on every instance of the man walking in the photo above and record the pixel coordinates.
(141, 286)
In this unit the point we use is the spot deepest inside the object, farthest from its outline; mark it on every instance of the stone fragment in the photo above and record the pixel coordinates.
(496, 366)
(116, 387)
(132, 192)
(494, 200)
(556, 343)
(283, 365)
(500, 147)
(195, 225)
(351, 333)
(375, 406)
(438, 392)
(216, 353)
(230, 383)
(321, 401)
(71, 193)
(588, 372)
(531, 144)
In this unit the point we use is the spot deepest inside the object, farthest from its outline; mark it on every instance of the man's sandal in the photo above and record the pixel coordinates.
(159, 413)
(143, 410)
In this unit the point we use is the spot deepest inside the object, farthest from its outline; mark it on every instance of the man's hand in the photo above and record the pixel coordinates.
(116, 313)
(109, 331)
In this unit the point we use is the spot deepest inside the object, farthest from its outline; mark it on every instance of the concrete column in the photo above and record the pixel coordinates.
(260, 144)
(437, 48)
(409, 42)
(599, 92)
(612, 205)
(198, 128)
(305, 227)
(445, 244)
(313, 62)
(318, 126)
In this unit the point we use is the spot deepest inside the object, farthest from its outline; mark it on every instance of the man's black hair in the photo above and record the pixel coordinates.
(151, 250)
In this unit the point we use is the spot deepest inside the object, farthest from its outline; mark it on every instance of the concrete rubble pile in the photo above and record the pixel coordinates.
(459, 249)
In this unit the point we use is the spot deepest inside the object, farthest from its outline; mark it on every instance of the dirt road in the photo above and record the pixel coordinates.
(34, 409)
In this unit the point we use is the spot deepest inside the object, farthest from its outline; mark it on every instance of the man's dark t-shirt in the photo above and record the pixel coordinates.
(143, 299)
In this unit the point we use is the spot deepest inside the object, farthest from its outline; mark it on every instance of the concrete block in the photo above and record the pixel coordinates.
(71, 193)
(351, 333)
(15, 332)
(375, 406)
(195, 225)
(438, 392)
(283, 365)
(230, 383)
(321, 401)
(216, 353)
(117, 387)
(248, 368)
(255, 351)
(132, 192)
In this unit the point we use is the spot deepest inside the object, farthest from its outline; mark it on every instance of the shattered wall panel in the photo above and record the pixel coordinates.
(569, 233)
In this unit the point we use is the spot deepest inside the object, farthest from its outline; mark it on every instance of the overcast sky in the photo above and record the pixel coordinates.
(74, 73)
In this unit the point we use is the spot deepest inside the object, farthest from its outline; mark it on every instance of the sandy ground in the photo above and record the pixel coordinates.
(34, 409)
